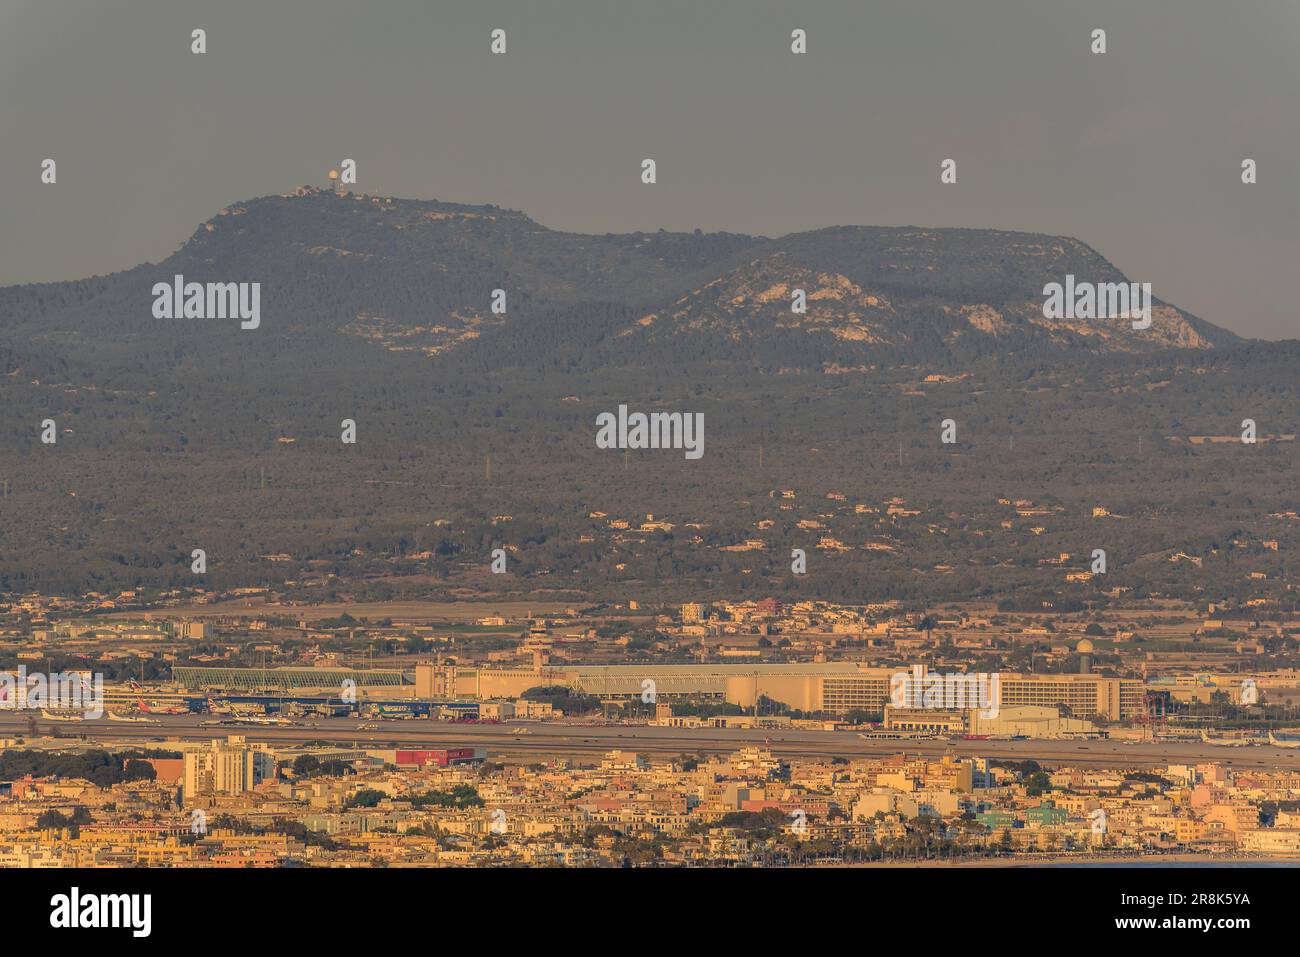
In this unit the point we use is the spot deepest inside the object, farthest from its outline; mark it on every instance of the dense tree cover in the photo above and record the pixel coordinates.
(138, 770)
(103, 768)
(293, 829)
(563, 699)
(366, 797)
(174, 434)
(57, 820)
(460, 796)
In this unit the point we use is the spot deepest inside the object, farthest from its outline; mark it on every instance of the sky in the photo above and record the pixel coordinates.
(1136, 151)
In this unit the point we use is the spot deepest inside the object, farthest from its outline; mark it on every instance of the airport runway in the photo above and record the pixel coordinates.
(532, 740)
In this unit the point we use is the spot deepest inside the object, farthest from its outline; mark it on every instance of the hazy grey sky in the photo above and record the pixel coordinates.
(1136, 152)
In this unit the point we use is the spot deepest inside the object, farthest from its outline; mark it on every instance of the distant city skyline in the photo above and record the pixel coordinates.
(1135, 152)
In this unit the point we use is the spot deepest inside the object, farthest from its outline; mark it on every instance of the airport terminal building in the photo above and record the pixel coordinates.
(833, 687)
(829, 687)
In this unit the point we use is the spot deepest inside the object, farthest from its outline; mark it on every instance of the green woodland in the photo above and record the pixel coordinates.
(476, 430)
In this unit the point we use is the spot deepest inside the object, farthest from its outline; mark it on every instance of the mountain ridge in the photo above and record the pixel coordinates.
(418, 275)
(476, 430)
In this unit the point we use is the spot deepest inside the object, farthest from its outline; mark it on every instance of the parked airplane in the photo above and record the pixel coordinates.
(62, 715)
(1226, 742)
(154, 707)
(260, 719)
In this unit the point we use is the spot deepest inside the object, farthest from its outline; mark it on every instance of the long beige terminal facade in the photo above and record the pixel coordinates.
(834, 687)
